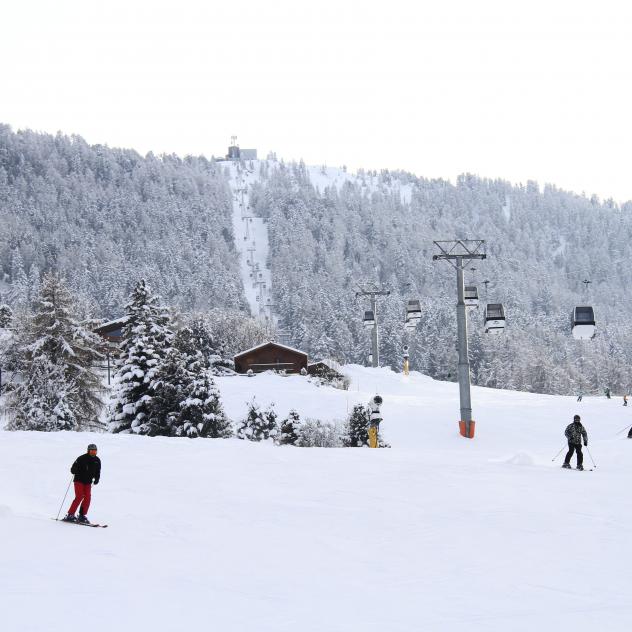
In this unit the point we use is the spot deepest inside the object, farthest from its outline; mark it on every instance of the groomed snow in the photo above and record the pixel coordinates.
(438, 533)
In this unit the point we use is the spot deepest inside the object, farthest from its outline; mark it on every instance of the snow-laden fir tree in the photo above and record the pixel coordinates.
(43, 401)
(19, 292)
(258, 425)
(146, 341)
(357, 427)
(164, 395)
(59, 386)
(196, 337)
(200, 411)
(185, 400)
(6, 316)
(289, 429)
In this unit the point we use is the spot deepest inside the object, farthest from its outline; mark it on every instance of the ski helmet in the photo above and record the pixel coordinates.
(377, 399)
(92, 446)
(576, 418)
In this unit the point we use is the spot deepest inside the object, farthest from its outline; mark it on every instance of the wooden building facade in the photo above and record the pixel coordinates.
(271, 356)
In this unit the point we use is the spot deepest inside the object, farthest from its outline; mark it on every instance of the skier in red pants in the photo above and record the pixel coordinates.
(86, 468)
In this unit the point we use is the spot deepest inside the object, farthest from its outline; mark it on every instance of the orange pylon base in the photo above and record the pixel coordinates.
(462, 429)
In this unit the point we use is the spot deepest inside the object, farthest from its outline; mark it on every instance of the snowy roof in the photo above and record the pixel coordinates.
(270, 342)
(113, 323)
(332, 364)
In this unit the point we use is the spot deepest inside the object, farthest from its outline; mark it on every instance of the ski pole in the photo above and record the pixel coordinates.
(593, 460)
(64, 500)
(558, 454)
(622, 429)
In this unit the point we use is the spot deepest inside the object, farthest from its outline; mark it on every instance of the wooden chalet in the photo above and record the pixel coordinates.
(113, 330)
(271, 356)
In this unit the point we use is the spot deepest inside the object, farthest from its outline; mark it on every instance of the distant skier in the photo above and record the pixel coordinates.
(579, 396)
(575, 432)
(607, 392)
(86, 468)
(375, 417)
(625, 400)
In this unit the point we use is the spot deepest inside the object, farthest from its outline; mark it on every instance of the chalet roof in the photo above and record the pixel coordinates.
(113, 324)
(270, 342)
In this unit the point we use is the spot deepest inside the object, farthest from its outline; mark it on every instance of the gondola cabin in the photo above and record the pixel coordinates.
(471, 296)
(369, 319)
(494, 318)
(583, 323)
(413, 314)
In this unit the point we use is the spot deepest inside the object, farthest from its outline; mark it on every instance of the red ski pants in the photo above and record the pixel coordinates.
(82, 496)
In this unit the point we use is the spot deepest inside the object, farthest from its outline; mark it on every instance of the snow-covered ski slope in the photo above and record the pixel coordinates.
(251, 240)
(251, 232)
(438, 533)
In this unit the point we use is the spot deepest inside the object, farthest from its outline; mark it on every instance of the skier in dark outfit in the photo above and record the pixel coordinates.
(575, 432)
(86, 468)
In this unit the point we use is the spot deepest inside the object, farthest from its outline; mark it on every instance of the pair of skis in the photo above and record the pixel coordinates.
(82, 524)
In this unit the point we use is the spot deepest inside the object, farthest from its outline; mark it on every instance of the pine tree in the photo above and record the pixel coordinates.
(166, 392)
(185, 400)
(19, 292)
(6, 316)
(57, 358)
(44, 400)
(195, 337)
(357, 431)
(201, 412)
(258, 425)
(289, 429)
(146, 340)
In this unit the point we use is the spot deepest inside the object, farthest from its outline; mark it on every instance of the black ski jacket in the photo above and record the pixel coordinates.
(574, 433)
(86, 468)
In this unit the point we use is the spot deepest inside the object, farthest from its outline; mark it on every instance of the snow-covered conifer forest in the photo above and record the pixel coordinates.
(103, 218)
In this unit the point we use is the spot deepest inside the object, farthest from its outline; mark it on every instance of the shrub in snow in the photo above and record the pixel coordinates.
(314, 433)
(55, 356)
(357, 427)
(146, 341)
(289, 429)
(258, 425)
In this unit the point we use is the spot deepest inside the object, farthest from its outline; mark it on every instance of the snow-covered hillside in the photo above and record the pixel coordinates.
(251, 232)
(438, 533)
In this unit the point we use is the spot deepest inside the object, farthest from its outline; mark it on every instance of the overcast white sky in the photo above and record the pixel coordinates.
(512, 89)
